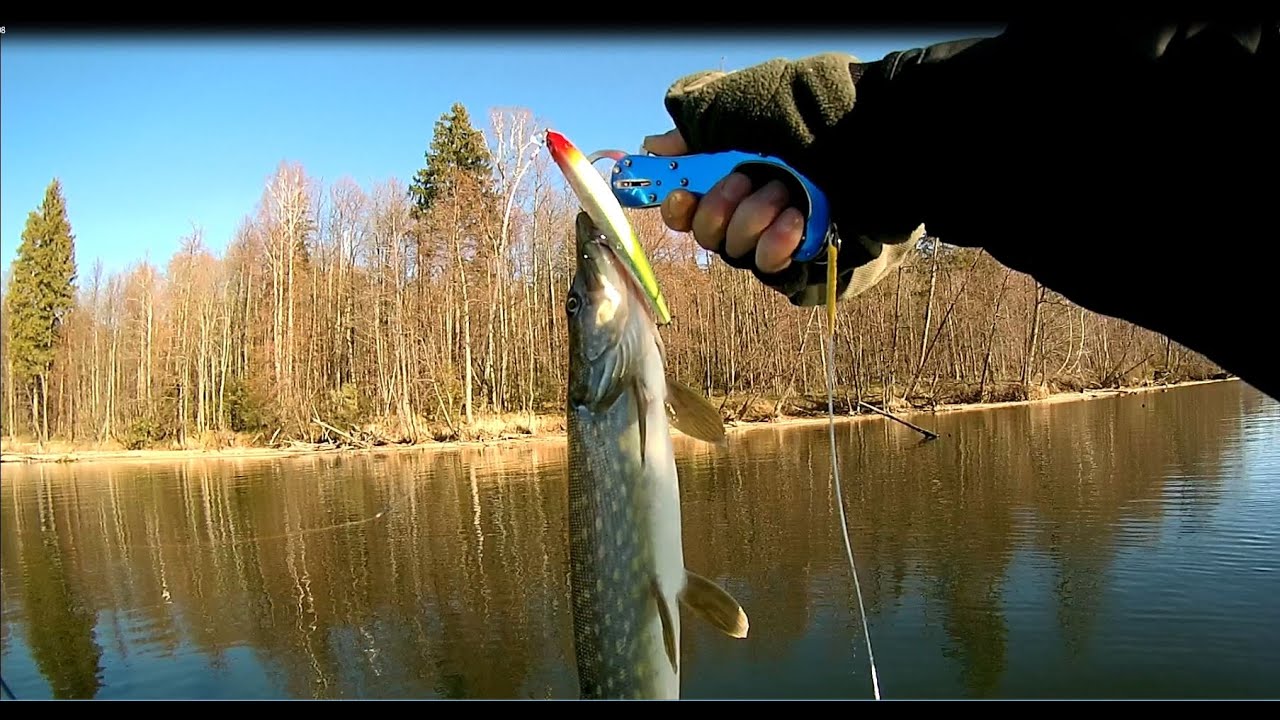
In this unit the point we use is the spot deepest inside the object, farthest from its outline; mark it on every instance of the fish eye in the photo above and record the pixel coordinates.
(571, 304)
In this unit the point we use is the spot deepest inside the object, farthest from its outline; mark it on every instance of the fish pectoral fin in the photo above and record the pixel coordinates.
(692, 415)
(642, 412)
(668, 627)
(714, 604)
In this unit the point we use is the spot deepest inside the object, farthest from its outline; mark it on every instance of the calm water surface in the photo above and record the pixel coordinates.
(1112, 548)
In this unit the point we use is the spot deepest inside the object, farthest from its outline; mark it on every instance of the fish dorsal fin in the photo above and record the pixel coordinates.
(692, 415)
(668, 627)
(714, 604)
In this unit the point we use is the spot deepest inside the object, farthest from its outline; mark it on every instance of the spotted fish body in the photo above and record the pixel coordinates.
(626, 552)
(627, 573)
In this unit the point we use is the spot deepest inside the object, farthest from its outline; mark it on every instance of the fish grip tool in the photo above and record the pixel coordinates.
(645, 181)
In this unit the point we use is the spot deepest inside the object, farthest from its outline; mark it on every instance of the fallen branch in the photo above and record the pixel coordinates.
(927, 434)
(453, 431)
(313, 447)
(339, 433)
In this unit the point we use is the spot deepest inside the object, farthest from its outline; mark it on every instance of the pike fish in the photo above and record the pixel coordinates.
(627, 573)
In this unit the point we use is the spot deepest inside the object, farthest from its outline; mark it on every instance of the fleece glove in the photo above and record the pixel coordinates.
(801, 112)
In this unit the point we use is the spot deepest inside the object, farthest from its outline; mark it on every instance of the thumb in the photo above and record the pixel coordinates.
(668, 143)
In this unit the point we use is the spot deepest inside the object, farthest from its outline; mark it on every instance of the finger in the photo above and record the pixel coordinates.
(779, 241)
(716, 207)
(753, 215)
(677, 210)
(668, 143)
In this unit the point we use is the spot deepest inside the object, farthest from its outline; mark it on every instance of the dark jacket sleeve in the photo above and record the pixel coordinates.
(1128, 166)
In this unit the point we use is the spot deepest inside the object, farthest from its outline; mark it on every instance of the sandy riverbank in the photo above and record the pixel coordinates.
(23, 455)
(920, 416)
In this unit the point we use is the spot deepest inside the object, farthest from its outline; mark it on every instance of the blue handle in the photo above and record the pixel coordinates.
(644, 181)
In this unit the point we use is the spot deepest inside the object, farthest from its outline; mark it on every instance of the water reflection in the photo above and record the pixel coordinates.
(1021, 554)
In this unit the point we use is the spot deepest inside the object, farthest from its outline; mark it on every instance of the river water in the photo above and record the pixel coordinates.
(1123, 547)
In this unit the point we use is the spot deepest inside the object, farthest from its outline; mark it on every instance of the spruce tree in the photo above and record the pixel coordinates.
(39, 298)
(457, 159)
(456, 146)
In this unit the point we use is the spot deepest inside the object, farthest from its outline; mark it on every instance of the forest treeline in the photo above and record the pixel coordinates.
(431, 307)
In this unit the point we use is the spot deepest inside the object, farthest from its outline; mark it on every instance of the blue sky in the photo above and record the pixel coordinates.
(150, 136)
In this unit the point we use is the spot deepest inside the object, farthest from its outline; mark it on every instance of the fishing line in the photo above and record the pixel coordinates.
(258, 538)
(386, 510)
(832, 251)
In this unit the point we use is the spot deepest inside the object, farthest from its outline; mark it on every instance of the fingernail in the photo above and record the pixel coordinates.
(776, 191)
(735, 187)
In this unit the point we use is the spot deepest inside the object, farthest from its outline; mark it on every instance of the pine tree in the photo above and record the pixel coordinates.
(39, 298)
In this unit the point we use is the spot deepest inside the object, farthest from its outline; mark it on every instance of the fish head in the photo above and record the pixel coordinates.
(607, 315)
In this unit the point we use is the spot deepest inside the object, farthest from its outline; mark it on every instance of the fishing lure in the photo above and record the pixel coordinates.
(605, 211)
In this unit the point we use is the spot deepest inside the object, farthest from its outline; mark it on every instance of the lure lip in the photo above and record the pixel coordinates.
(595, 196)
(565, 153)
(562, 151)
(558, 145)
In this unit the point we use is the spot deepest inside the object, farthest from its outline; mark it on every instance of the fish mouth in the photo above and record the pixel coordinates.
(598, 261)
(594, 245)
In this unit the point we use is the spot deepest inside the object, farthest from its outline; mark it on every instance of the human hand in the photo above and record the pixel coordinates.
(747, 223)
(801, 112)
